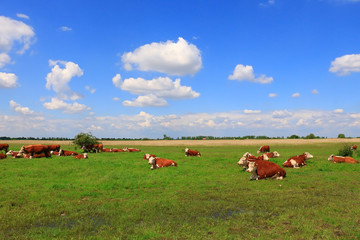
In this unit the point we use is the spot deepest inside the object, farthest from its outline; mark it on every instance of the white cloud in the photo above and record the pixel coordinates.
(247, 111)
(21, 15)
(180, 58)
(19, 109)
(268, 3)
(272, 95)
(12, 31)
(8, 80)
(59, 78)
(4, 59)
(339, 110)
(295, 95)
(246, 73)
(346, 64)
(146, 101)
(58, 104)
(281, 114)
(116, 99)
(314, 91)
(91, 90)
(162, 87)
(65, 29)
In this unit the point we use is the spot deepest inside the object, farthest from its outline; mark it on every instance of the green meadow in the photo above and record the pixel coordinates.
(117, 196)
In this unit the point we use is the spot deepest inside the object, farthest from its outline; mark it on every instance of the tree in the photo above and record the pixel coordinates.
(85, 139)
(341, 135)
(293, 136)
(310, 136)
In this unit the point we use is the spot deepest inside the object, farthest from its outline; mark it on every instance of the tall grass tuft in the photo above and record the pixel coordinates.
(345, 151)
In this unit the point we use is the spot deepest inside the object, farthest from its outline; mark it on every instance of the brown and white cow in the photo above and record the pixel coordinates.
(264, 149)
(35, 149)
(54, 153)
(339, 159)
(14, 154)
(261, 169)
(126, 149)
(274, 154)
(161, 162)
(54, 147)
(297, 161)
(118, 150)
(107, 149)
(67, 153)
(148, 155)
(244, 160)
(4, 146)
(81, 156)
(3, 156)
(353, 147)
(189, 152)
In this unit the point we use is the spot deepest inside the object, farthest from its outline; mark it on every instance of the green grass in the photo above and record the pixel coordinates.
(117, 196)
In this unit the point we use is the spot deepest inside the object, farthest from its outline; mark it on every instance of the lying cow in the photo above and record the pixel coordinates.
(354, 147)
(4, 146)
(297, 161)
(274, 154)
(3, 156)
(148, 155)
(189, 152)
(54, 153)
(264, 149)
(107, 149)
(243, 161)
(118, 150)
(81, 156)
(67, 153)
(35, 149)
(131, 150)
(14, 154)
(54, 147)
(161, 162)
(261, 169)
(338, 159)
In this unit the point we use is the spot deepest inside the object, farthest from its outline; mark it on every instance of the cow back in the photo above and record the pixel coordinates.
(267, 169)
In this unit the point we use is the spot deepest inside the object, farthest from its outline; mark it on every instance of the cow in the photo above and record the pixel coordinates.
(274, 154)
(161, 162)
(107, 149)
(148, 155)
(126, 149)
(261, 169)
(4, 146)
(35, 149)
(3, 156)
(14, 154)
(189, 152)
(54, 153)
(81, 156)
(243, 161)
(339, 159)
(354, 147)
(67, 153)
(118, 150)
(93, 147)
(297, 161)
(264, 149)
(40, 155)
(54, 147)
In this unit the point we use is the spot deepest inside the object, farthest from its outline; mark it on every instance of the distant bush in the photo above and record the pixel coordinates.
(85, 139)
(293, 137)
(341, 135)
(345, 151)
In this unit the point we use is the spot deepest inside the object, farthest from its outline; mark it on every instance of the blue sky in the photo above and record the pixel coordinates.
(181, 68)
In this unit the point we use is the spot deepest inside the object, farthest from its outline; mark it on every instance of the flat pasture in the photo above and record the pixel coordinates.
(117, 196)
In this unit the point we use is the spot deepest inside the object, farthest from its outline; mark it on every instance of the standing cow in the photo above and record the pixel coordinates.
(4, 146)
(35, 149)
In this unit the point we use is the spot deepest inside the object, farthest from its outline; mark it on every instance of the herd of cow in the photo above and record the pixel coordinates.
(259, 166)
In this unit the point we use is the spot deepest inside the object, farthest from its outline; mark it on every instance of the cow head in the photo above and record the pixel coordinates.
(186, 150)
(9, 153)
(331, 158)
(308, 155)
(276, 154)
(252, 167)
(152, 162)
(85, 155)
(61, 152)
(242, 162)
(247, 154)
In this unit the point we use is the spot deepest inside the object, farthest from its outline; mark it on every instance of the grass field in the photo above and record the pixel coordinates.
(117, 196)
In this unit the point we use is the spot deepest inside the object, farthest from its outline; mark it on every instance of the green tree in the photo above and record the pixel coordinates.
(293, 136)
(341, 135)
(83, 139)
(310, 136)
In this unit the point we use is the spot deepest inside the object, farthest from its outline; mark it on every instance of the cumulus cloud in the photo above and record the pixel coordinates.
(13, 31)
(59, 77)
(4, 59)
(295, 95)
(246, 73)
(173, 58)
(272, 95)
(346, 64)
(146, 101)
(21, 15)
(8, 80)
(314, 91)
(58, 104)
(117, 80)
(65, 29)
(20, 109)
